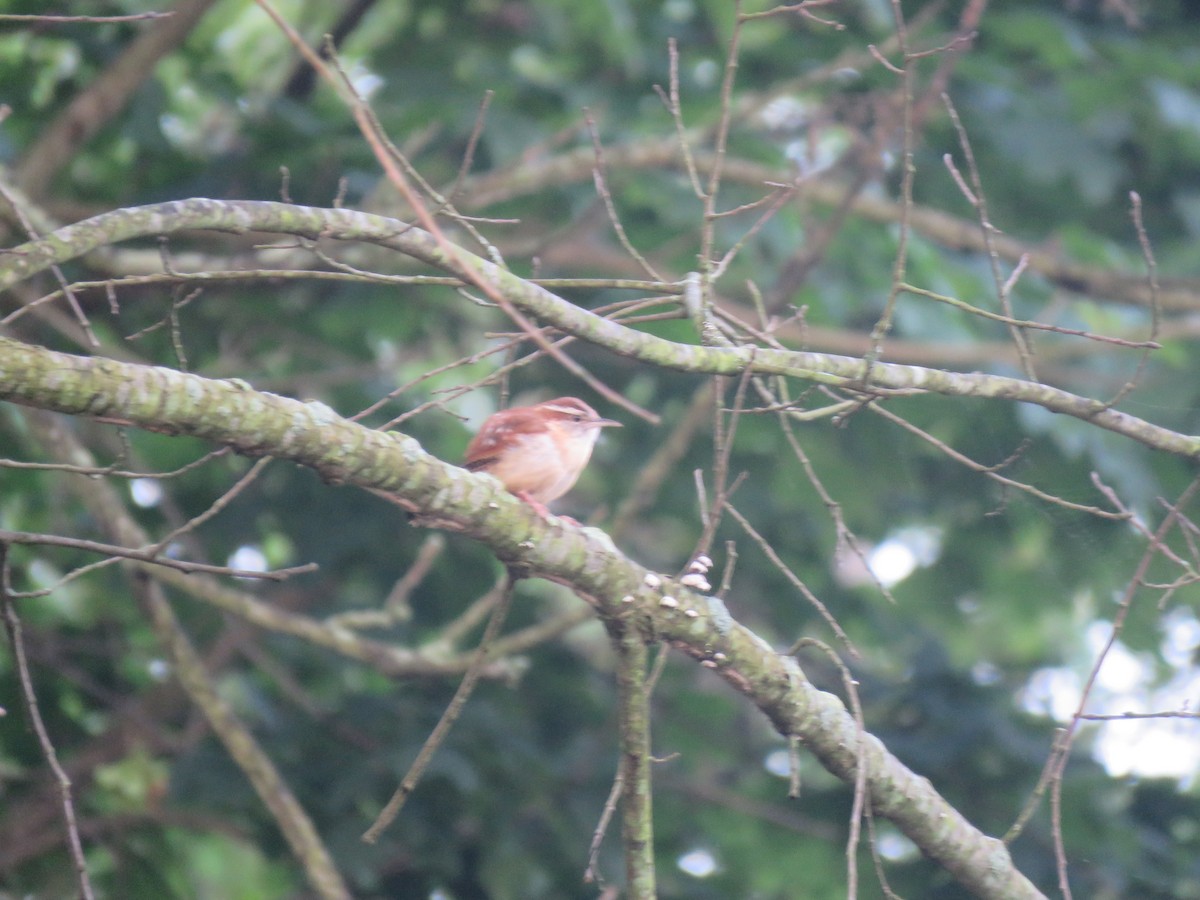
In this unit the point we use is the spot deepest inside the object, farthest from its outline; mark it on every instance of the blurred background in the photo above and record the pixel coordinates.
(1002, 602)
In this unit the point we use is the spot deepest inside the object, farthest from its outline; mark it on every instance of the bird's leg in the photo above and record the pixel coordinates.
(541, 509)
(538, 506)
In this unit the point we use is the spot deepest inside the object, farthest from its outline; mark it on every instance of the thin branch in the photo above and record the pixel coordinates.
(87, 20)
(1028, 323)
(600, 177)
(449, 716)
(675, 108)
(978, 199)
(1057, 762)
(12, 624)
(1135, 211)
(217, 506)
(860, 778)
(796, 581)
(908, 174)
(71, 241)
(991, 471)
(64, 286)
(112, 470)
(149, 554)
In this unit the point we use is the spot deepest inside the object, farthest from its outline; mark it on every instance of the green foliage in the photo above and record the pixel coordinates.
(1067, 110)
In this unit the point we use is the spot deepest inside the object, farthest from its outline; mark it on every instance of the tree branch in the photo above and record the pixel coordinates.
(822, 368)
(313, 435)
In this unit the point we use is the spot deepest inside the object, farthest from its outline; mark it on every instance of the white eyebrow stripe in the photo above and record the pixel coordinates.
(568, 410)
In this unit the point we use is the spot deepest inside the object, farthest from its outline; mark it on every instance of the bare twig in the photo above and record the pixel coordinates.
(978, 199)
(1135, 211)
(860, 778)
(796, 581)
(12, 624)
(600, 178)
(149, 554)
(449, 716)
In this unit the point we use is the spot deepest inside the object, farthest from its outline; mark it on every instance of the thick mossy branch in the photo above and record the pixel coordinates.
(637, 819)
(341, 224)
(311, 434)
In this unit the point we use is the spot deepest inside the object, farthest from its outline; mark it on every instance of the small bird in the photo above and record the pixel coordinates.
(537, 451)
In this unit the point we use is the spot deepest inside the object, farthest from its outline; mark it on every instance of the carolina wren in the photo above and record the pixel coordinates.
(537, 451)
